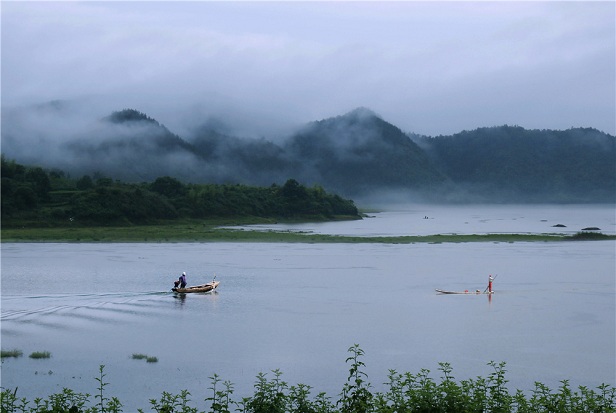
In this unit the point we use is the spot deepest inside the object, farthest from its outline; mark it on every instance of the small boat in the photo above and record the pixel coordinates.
(203, 288)
(463, 292)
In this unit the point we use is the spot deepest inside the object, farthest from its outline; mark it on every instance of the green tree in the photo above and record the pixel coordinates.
(85, 182)
(170, 187)
(39, 182)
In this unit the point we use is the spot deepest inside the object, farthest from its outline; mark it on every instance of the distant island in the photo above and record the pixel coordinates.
(357, 155)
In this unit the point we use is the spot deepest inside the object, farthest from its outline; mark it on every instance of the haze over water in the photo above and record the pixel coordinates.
(298, 307)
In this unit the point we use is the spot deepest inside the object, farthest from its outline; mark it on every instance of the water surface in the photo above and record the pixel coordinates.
(298, 307)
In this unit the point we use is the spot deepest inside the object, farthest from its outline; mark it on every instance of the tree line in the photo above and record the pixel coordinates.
(52, 197)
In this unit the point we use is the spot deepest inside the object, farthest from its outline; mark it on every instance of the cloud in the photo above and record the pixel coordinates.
(428, 67)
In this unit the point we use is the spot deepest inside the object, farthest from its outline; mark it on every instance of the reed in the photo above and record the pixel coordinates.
(148, 359)
(40, 355)
(10, 353)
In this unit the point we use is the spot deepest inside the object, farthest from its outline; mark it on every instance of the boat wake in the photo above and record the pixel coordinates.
(43, 308)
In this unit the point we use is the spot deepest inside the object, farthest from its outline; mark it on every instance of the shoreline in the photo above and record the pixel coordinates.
(203, 232)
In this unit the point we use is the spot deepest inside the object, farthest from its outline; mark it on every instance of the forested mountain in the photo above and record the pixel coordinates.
(513, 163)
(229, 158)
(357, 155)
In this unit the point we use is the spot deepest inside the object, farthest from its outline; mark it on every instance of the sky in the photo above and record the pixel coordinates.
(432, 68)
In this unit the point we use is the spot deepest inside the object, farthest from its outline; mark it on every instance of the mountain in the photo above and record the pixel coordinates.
(129, 145)
(357, 155)
(360, 152)
(515, 164)
(241, 160)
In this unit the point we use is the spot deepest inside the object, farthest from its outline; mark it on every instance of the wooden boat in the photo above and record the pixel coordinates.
(203, 288)
(463, 292)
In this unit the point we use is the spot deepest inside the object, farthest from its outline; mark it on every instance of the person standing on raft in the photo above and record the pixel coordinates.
(490, 279)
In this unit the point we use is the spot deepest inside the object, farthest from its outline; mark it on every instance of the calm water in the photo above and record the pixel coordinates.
(298, 307)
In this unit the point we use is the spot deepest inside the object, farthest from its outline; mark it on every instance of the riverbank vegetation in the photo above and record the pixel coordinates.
(404, 392)
(36, 198)
(49, 206)
(221, 230)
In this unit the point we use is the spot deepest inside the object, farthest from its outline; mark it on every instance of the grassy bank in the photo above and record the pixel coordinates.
(211, 231)
(405, 392)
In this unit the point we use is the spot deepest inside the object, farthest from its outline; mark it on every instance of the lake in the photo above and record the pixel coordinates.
(299, 307)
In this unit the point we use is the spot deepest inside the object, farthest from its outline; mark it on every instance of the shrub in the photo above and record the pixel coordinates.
(405, 393)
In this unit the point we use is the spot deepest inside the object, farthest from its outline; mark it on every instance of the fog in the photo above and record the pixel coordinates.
(237, 79)
(265, 68)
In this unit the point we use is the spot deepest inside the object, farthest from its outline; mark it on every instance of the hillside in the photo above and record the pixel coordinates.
(357, 155)
(516, 164)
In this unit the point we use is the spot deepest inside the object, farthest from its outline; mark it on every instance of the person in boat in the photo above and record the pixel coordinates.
(490, 279)
(181, 282)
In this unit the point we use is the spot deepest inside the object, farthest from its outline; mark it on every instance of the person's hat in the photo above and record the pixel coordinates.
(183, 273)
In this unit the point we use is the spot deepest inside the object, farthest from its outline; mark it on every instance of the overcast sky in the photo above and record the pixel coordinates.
(427, 67)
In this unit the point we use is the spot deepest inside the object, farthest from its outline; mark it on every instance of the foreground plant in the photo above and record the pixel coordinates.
(356, 396)
(406, 393)
(105, 404)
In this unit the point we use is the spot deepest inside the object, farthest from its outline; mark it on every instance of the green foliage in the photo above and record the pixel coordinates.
(104, 403)
(169, 187)
(356, 396)
(412, 393)
(23, 189)
(269, 396)
(40, 355)
(11, 353)
(516, 164)
(221, 401)
(130, 115)
(360, 152)
(172, 403)
(149, 359)
(589, 235)
(85, 182)
(28, 195)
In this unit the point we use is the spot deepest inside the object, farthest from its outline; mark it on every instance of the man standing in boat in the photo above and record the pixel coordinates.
(182, 280)
(490, 279)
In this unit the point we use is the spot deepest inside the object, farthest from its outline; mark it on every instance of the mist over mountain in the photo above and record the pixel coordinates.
(357, 154)
(516, 164)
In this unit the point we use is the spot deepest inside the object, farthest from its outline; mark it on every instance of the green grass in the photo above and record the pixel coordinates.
(10, 353)
(210, 231)
(151, 359)
(40, 355)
